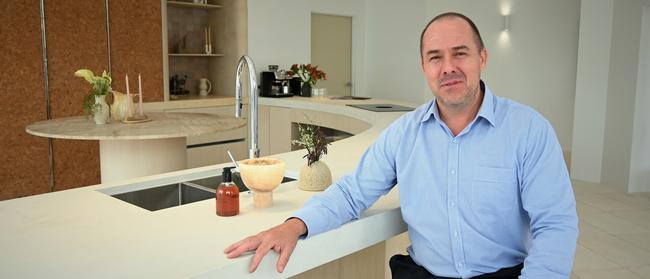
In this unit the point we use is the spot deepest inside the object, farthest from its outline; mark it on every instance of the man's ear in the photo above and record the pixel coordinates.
(422, 62)
(484, 56)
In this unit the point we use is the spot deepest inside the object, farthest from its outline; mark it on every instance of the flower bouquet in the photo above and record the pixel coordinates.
(95, 101)
(308, 75)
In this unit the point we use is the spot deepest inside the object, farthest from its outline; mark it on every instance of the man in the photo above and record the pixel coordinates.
(484, 188)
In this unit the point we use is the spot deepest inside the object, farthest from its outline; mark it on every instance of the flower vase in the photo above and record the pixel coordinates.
(316, 177)
(101, 111)
(305, 90)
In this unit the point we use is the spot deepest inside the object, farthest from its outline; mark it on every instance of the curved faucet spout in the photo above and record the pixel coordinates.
(253, 149)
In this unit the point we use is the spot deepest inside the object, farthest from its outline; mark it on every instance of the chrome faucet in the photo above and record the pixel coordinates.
(253, 150)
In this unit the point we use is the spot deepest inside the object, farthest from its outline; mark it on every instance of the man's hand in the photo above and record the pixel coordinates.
(282, 239)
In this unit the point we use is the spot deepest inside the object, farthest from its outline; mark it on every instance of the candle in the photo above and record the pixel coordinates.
(205, 34)
(210, 36)
(140, 94)
(128, 97)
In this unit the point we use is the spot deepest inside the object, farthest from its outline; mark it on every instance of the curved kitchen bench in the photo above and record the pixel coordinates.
(85, 232)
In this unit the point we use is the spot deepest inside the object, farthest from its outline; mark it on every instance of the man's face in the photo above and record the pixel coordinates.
(452, 62)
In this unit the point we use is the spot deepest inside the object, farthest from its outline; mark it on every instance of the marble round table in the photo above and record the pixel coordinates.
(138, 149)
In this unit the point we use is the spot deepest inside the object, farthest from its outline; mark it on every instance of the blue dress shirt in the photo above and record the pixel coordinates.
(494, 196)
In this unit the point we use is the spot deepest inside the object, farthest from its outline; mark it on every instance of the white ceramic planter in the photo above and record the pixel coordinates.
(316, 177)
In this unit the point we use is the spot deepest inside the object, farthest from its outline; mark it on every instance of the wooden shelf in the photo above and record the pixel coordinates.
(197, 54)
(227, 19)
(193, 5)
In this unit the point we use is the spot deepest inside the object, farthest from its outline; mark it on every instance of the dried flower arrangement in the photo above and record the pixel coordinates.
(314, 140)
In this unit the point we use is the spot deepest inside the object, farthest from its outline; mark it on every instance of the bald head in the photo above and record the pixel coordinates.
(477, 35)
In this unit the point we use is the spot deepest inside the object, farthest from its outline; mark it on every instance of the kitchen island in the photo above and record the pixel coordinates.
(84, 232)
(139, 149)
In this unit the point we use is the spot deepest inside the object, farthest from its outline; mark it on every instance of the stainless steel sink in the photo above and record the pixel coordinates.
(166, 196)
(213, 181)
(171, 195)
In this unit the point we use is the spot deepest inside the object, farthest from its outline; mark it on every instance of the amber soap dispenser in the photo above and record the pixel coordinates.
(227, 195)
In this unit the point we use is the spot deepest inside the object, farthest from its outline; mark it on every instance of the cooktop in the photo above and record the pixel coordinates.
(382, 107)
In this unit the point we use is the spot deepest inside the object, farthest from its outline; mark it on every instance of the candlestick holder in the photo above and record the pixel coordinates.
(136, 119)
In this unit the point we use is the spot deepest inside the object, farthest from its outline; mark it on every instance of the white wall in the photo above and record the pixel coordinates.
(393, 50)
(624, 56)
(535, 62)
(640, 161)
(279, 32)
(608, 157)
(591, 89)
(539, 63)
(537, 67)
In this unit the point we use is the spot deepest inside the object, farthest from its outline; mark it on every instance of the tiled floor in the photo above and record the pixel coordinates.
(614, 233)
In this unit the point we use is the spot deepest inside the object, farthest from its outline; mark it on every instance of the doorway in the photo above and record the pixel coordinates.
(331, 50)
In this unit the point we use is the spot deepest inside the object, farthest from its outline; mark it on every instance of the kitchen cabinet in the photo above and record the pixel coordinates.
(185, 57)
(210, 149)
(278, 126)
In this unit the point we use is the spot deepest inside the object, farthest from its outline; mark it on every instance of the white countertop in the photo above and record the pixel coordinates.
(83, 232)
(162, 125)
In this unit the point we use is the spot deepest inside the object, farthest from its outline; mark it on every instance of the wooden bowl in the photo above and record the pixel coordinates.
(262, 176)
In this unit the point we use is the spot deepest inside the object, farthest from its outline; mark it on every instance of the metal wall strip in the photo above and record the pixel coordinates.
(108, 38)
(48, 108)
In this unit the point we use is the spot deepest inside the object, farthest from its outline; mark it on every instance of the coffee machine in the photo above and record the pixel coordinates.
(276, 83)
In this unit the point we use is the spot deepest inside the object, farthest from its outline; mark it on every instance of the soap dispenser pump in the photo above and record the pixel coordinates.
(227, 195)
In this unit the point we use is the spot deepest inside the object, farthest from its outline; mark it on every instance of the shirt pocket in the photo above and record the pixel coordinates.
(494, 190)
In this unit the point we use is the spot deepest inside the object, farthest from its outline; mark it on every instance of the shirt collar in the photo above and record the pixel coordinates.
(486, 111)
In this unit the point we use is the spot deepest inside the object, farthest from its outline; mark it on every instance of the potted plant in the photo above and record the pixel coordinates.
(308, 75)
(95, 101)
(315, 175)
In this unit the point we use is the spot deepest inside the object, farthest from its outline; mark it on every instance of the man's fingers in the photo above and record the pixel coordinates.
(285, 253)
(279, 238)
(246, 245)
(259, 254)
(234, 245)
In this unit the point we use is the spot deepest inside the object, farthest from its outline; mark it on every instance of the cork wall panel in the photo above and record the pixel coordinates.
(76, 38)
(136, 46)
(24, 164)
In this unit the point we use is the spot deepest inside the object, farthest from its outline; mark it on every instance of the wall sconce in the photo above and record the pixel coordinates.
(506, 23)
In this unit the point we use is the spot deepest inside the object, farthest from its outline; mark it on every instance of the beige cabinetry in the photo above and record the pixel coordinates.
(210, 149)
(190, 54)
(278, 126)
(369, 263)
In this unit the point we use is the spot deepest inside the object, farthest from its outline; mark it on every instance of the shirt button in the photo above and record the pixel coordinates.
(454, 141)
(459, 265)
(456, 234)
(453, 204)
(453, 172)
